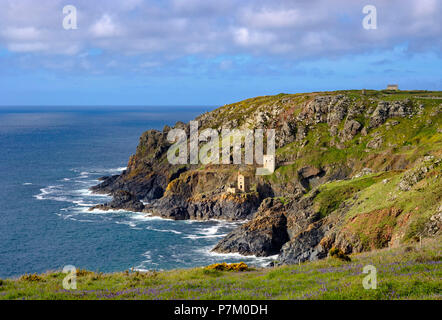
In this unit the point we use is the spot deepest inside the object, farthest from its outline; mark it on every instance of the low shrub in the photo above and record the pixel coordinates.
(31, 277)
(228, 267)
(83, 272)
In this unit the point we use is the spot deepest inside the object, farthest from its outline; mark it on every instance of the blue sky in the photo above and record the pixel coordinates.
(204, 52)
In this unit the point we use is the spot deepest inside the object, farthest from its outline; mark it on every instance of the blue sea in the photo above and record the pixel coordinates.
(50, 156)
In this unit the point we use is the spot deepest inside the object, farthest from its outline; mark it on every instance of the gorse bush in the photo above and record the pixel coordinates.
(84, 272)
(228, 267)
(31, 277)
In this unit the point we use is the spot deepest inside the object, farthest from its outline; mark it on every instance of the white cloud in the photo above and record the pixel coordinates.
(424, 8)
(105, 28)
(268, 18)
(176, 28)
(245, 37)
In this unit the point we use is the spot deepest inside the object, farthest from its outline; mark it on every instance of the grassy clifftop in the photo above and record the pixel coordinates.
(408, 272)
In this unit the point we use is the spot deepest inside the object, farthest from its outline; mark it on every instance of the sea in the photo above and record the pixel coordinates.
(50, 157)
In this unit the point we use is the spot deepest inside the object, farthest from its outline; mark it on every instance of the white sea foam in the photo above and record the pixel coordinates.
(81, 220)
(161, 230)
(99, 171)
(128, 223)
(144, 217)
(88, 182)
(259, 261)
(83, 175)
(89, 193)
(99, 211)
(148, 257)
(195, 237)
(205, 233)
(51, 193)
(81, 203)
(27, 184)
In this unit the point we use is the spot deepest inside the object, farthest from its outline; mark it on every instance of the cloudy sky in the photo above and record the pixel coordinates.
(205, 52)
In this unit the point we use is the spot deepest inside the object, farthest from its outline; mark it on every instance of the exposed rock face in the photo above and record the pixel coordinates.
(222, 207)
(351, 128)
(288, 134)
(306, 230)
(309, 176)
(146, 188)
(375, 143)
(304, 247)
(412, 177)
(276, 228)
(363, 172)
(434, 226)
(325, 109)
(263, 236)
(147, 175)
(301, 214)
(387, 110)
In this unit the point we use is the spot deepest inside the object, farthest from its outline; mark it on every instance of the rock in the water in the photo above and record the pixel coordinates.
(230, 207)
(122, 200)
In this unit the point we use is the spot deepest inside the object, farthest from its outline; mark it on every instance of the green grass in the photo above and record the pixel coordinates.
(424, 196)
(411, 272)
(332, 194)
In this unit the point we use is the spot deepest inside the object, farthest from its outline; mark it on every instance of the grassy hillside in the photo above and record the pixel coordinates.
(408, 272)
(355, 170)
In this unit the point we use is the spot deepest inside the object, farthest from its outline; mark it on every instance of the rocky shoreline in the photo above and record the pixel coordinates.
(331, 148)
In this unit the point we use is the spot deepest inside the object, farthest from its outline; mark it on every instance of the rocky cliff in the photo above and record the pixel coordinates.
(354, 171)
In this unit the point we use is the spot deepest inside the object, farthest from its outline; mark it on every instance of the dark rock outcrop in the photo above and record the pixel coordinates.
(145, 188)
(351, 128)
(122, 200)
(263, 236)
(304, 247)
(223, 207)
(310, 176)
(387, 110)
